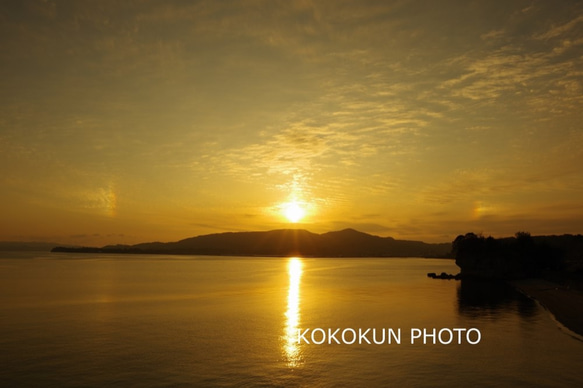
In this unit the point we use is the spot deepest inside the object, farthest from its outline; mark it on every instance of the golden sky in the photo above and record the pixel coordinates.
(133, 121)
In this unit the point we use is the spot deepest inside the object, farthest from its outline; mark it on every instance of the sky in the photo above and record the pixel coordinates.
(130, 121)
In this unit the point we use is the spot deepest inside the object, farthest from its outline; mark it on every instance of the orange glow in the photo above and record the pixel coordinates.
(293, 211)
(291, 347)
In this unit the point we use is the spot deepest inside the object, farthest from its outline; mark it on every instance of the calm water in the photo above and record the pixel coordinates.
(72, 320)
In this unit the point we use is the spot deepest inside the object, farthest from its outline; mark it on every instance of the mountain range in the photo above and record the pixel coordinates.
(282, 242)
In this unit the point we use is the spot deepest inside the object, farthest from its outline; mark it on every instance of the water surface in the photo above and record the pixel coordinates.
(70, 320)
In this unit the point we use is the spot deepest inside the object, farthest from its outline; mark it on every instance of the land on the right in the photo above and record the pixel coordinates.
(548, 269)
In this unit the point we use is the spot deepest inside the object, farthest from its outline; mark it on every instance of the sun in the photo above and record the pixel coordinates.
(293, 211)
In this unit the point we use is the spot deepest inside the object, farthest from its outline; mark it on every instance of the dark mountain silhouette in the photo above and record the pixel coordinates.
(26, 246)
(283, 242)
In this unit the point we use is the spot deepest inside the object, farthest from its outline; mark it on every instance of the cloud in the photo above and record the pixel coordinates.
(561, 29)
(518, 186)
(372, 108)
(493, 34)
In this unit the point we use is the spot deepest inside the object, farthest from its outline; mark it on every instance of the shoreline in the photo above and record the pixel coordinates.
(563, 303)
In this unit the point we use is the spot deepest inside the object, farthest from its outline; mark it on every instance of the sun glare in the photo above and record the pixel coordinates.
(291, 347)
(293, 211)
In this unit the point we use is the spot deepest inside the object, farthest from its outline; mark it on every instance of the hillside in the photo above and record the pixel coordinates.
(283, 242)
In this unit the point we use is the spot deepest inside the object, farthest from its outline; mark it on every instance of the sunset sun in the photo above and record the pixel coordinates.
(293, 211)
(291, 193)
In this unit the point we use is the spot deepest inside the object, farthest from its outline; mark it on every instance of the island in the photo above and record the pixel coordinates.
(282, 242)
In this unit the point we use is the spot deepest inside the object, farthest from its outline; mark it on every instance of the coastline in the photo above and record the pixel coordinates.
(564, 303)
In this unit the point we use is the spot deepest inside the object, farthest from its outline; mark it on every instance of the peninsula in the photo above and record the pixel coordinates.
(548, 269)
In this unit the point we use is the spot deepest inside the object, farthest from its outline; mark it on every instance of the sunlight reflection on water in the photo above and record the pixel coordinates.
(99, 320)
(291, 347)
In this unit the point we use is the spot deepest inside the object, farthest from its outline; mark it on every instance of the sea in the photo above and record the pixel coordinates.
(107, 320)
